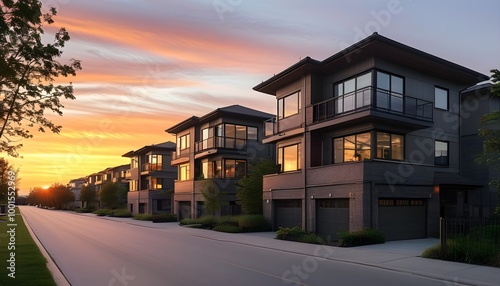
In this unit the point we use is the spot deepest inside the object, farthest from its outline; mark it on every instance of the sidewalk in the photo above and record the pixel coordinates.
(400, 256)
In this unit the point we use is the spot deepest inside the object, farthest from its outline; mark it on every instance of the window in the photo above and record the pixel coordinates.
(352, 148)
(155, 162)
(133, 185)
(390, 89)
(390, 146)
(289, 105)
(441, 98)
(353, 93)
(234, 168)
(184, 172)
(441, 153)
(252, 133)
(134, 163)
(183, 143)
(156, 183)
(289, 158)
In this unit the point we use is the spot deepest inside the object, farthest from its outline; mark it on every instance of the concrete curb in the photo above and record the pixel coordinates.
(58, 276)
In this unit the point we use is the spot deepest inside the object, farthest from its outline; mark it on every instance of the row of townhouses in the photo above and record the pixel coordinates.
(380, 135)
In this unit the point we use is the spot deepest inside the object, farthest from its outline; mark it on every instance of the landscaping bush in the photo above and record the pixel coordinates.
(102, 212)
(143, 216)
(164, 218)
(82, 210)
(230, 228)
(120, 213)
(253, 223)
(298, 234)
(232, 220)
(361, 237)
(185, 221)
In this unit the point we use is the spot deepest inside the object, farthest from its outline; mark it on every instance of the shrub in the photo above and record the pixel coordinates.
(361, 237)
(120, 213)
(232, 220)
(143, 216)
(164, 218)
(185, 221)
(253, 223)
(82, 210)
(102, 212)
(298, 234)
(293, 233)
(230, 228)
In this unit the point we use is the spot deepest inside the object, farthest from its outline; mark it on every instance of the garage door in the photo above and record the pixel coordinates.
(287, 213)
(332, 216)
(402, 219)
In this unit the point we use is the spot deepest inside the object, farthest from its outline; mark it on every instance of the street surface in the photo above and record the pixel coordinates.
(94, 251)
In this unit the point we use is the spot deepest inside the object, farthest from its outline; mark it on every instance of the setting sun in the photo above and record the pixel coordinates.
(45, 187)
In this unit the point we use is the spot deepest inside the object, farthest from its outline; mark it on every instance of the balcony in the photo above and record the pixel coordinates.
(221, 142)
(371, 98)
(149, 167)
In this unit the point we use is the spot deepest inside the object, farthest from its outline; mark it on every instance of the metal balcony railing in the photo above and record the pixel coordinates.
(221, 142)
(375, 99)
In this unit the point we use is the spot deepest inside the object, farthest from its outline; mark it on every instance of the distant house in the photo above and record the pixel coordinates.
(76, 186)
(213, 151)
(377, 135)
(151, 179)
(97, 181)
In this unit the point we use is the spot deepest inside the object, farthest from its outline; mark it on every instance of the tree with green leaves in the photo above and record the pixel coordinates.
(28, 72)
(212, 196)
(250, 187)
(109, 195)
(6, 177)
(491, 134)
(88, 195)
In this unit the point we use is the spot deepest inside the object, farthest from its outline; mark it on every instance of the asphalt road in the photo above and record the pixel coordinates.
(94, 251)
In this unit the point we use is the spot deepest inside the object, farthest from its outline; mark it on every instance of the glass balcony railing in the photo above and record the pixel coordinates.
(149, 167)
(221, 142)
(375, 99)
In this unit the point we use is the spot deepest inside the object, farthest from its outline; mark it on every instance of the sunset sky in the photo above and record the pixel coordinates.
(149, 64)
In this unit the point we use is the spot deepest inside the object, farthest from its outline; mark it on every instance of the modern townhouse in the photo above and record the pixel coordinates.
(477, 202)
(98, 180)
(373, 137)
(151, 179)
(76, 186)
(213, 151)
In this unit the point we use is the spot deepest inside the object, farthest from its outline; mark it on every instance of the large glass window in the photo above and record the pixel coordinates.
(353, 93)
(183, 143)
(390, 89)
(234, 168)
(441, 98)
(155, 162)
(289, 157)
(184, 172)
(156, 183)
(390, 146)
(226, 136)
(289, 105)
(441, 153)
(352, 148)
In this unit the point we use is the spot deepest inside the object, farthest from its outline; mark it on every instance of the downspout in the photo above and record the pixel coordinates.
(304, 148)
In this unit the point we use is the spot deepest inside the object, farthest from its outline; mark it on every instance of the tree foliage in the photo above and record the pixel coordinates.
(28, 71)
(5, 167)
(87, 194)
(491, 134)
(251, 186)
(113, 195)
(56, 196)
(212, 196)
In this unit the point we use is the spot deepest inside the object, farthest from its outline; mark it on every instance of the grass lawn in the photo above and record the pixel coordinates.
(30, 265)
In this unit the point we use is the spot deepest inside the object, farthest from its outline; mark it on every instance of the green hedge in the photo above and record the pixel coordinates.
(360, 237)
(242, 223)
(298, 234)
